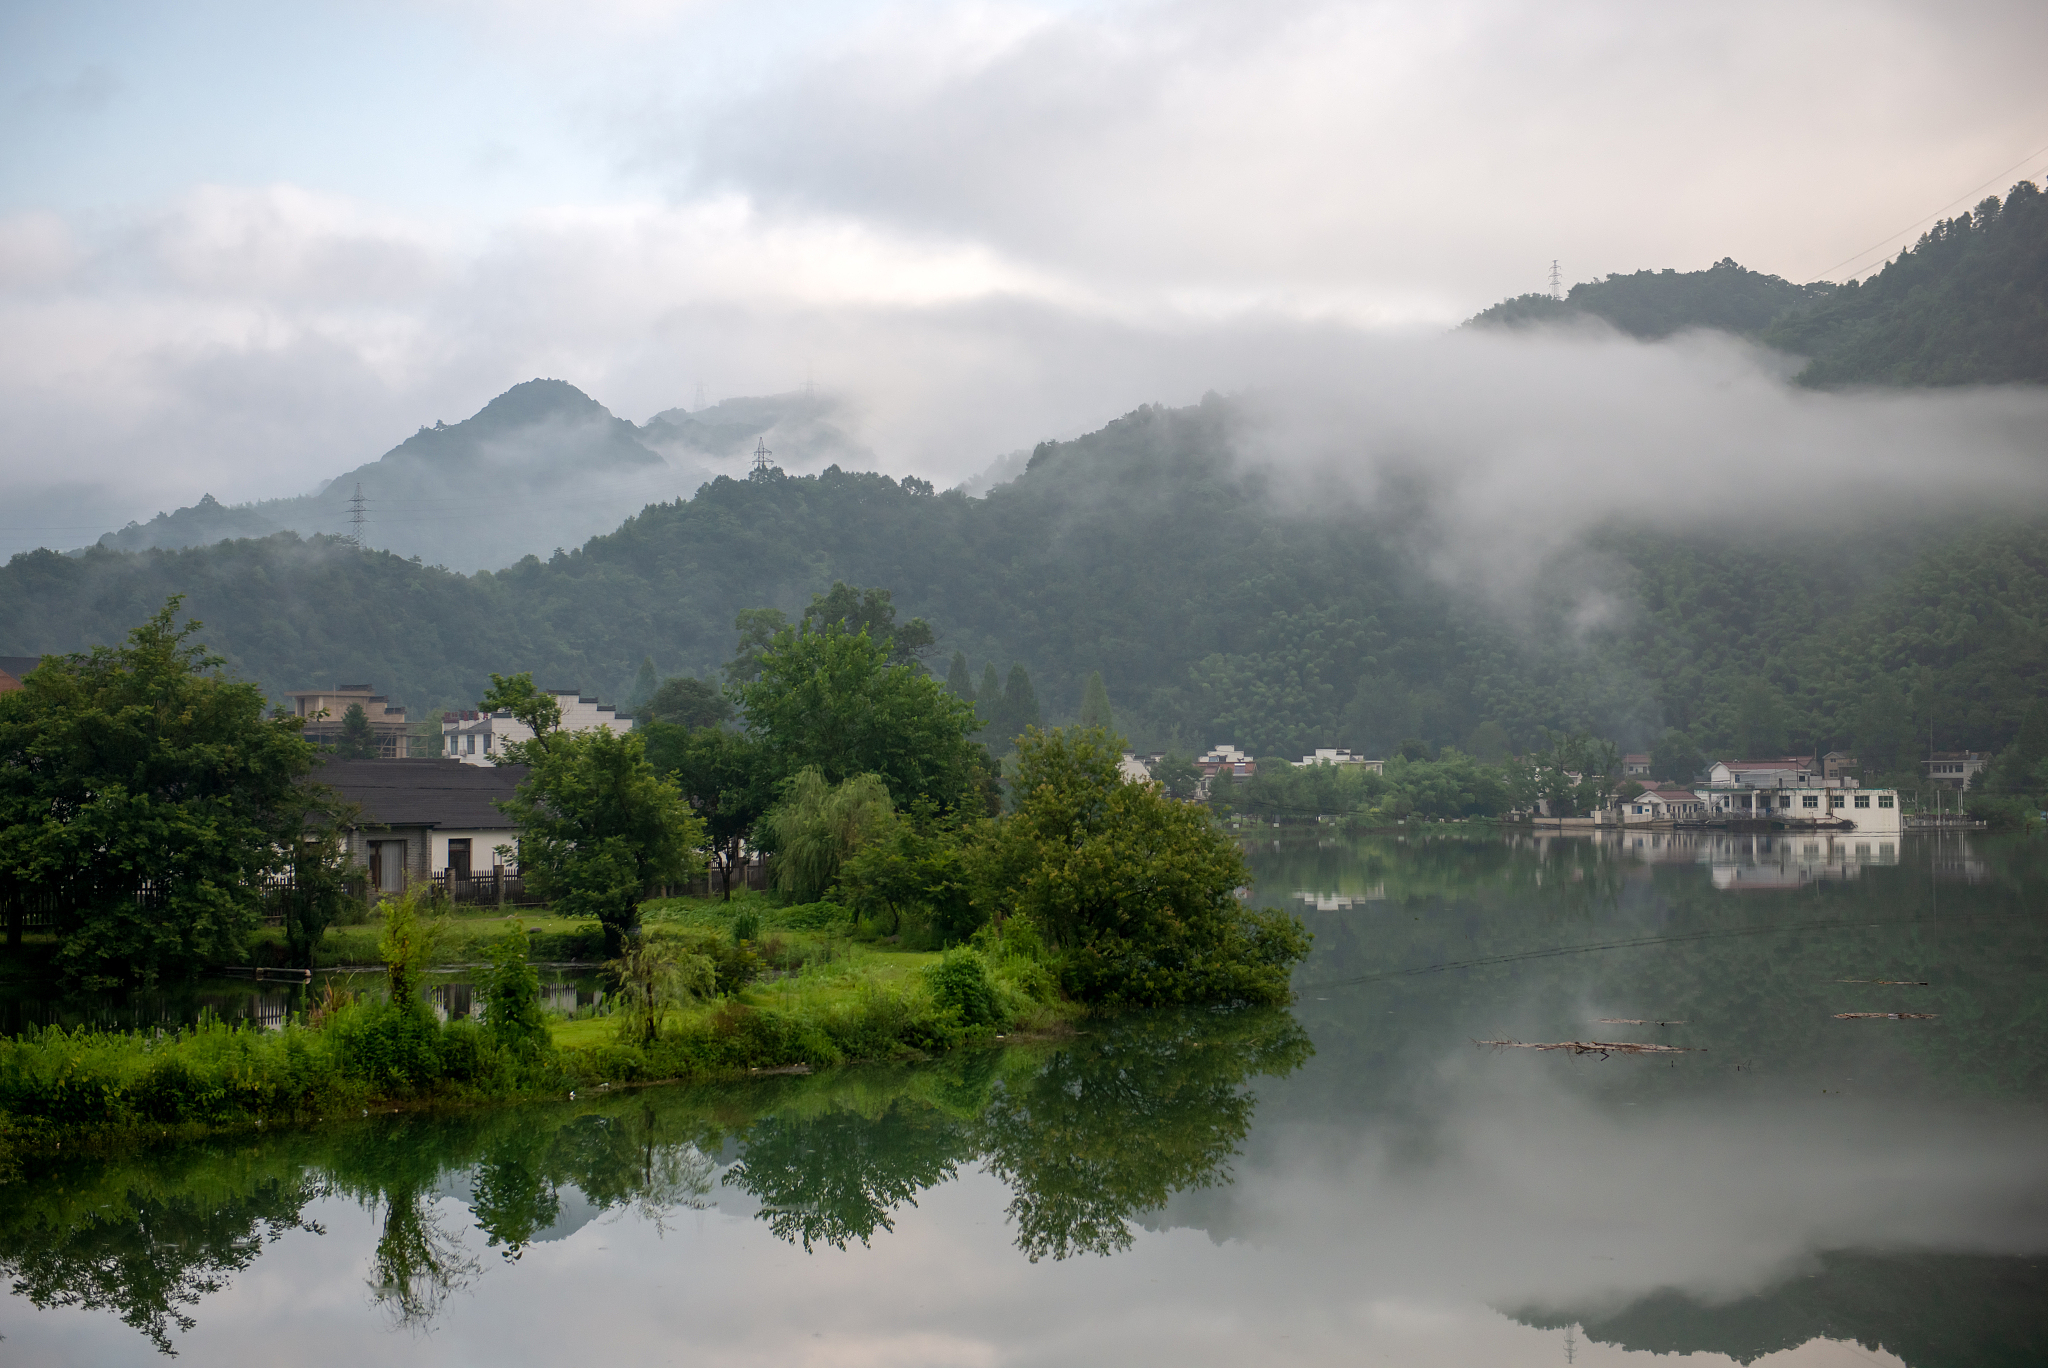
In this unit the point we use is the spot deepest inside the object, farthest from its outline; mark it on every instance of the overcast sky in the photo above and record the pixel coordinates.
(244, 247)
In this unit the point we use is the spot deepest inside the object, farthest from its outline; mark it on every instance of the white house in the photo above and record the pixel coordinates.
(1226, 759)
(1343, 757)
(1663, 803)
(1760, 773)
(476, 738)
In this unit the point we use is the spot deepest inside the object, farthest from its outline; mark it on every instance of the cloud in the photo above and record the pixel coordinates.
(988, 223)
(1504, 449)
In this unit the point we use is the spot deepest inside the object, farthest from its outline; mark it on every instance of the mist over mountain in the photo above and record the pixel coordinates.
(541, 466)
(804, 430)
(1448, 540)
(1624, 537)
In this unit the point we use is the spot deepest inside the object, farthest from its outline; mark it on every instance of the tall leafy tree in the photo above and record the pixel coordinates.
(1136, 892)
(727, 780)
(853, 609)
(517, 695)
(600, 829)
(757, 628)
(818, 825)
(831, 700)
(146, 793)
(685, 702)
(1676, 758)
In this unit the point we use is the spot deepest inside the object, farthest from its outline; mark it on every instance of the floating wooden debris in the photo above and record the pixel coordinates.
(1636, 1021)
(1886, 1016)
(1603, 1048)
(1889, 983)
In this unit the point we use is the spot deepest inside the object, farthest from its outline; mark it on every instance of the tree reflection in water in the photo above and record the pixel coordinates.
(1087, 1133)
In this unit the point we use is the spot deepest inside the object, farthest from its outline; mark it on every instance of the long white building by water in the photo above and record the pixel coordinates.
(1798, 797)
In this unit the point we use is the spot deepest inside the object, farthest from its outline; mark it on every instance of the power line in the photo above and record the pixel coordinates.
(1881, 242)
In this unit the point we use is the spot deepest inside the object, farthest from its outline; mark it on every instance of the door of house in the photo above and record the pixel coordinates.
(458, 859)
(387, 866)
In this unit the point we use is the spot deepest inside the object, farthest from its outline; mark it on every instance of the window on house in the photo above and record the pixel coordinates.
(1884, 800)
(1834, 800)
(1785, 800)
(1863, 800)
(1811, 800)
(472, 743)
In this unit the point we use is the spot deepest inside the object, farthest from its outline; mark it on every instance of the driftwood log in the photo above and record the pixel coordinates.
(1603, 1048)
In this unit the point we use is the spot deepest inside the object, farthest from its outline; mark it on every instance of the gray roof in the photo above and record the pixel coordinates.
(433, 793)
(19, 666)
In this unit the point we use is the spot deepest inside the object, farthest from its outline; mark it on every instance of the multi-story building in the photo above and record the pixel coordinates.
(1954, 769)
(477, 738)
(324, 710)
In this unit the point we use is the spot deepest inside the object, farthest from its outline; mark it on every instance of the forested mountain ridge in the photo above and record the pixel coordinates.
(1966, 304)
(539, 464)
(1214, 610)
(1654, 304)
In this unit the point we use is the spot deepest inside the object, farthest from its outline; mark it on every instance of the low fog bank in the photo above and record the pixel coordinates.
(1500, 451)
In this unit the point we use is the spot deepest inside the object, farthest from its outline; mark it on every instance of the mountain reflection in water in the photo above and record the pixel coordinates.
(1205, 1188)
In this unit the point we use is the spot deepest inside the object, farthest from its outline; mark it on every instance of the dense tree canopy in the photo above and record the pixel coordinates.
(1135, 892)
(830, 700)
(145, 795)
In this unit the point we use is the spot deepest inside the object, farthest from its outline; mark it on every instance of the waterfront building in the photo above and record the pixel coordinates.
(1805, 799)
(1954, 769)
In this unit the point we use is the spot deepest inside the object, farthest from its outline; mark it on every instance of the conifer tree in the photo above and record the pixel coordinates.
(1095, 703)
(357, 741)
(958, 679)
(644, 685)
(1020, 704)
(994, 713)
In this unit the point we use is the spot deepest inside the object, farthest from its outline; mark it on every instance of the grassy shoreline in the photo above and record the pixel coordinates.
(797, 991)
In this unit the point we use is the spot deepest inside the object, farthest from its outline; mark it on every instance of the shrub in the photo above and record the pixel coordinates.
(746, 926)
(960, 983)
(512, 996)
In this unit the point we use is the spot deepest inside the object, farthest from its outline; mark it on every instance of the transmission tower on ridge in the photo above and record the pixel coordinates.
(355, 518)
(1556, 281)
(762, 463)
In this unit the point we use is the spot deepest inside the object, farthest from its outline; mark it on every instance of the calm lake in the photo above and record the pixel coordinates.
(1353, 1182)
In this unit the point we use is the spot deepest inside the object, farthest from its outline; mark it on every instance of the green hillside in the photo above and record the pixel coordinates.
(1212, 613)
(1966, 305)
(1653, 304)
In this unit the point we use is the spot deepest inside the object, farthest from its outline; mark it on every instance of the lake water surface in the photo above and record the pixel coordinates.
(1353, 1182)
